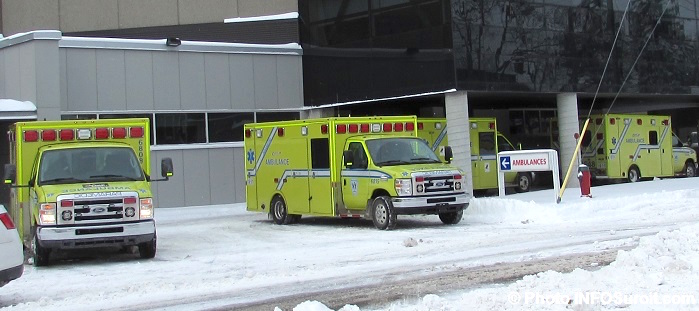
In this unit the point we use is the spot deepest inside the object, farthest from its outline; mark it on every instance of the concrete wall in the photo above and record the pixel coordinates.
(89, 15)
(29, 71)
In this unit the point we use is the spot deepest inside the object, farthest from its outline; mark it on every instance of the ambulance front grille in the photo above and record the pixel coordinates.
(98, 209)
(438, 184)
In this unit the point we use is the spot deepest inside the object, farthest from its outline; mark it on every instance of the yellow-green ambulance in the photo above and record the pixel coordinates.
(82, 184)
(373, 167)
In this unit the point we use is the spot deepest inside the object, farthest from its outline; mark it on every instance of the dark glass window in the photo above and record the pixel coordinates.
(361, 161)
(276, 116)
(179, 128)
(653, 137)
(320, 153)
(225, 127)
(78, 116)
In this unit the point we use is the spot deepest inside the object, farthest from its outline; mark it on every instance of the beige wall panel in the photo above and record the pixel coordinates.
(86, 15)
(206, 11)
(26, 15)
(248, 8)
(147, 13)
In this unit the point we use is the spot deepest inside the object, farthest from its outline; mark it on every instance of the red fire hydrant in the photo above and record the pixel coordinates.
(584, 177)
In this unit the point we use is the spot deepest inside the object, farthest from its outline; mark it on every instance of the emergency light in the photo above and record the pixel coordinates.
(83, 134)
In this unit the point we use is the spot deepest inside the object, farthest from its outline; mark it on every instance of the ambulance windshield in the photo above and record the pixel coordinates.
(67, 166)
(400, 150)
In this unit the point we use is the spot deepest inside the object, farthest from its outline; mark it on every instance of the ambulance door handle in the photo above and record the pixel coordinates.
(344, 182)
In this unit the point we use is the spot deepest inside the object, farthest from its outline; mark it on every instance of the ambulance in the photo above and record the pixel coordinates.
(633, 147)
(486, 142)
(82, 184)
(370, 167)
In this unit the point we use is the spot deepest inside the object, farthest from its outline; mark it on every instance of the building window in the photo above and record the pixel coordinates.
(276, 116)
(227, 127)
(88, 116)
(180, 128)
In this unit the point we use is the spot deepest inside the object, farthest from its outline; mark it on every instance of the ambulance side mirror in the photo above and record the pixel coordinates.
(348, 157)
(166, 168)
(448, 154)
(10, 174)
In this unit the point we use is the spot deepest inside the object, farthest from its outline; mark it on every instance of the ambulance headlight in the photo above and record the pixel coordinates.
(420, 188)
(404, 187)
(47, 214)
(457, 186)
(146, 210)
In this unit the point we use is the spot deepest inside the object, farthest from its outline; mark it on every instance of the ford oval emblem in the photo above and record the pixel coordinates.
(99, 210)
(439, 184)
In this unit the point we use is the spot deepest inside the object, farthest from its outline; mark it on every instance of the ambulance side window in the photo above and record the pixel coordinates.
(360, 159)
(653, 137)
(486, 143)
(320, 153)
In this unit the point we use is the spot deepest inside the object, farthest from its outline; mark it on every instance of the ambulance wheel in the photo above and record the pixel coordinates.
(689, 169)
(280, 214)
(383, 214)
(40, 255)
(634, 175)
(147, 250)
(524, 182)
(451, 218)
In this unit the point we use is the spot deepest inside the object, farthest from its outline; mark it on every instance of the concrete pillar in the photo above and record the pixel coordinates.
(317, 113)
(568, 126)
(456, 105)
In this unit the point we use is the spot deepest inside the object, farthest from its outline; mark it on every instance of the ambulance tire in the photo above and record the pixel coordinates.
(689, 169)
(451, 218)
(634, 174)
(523, 182)
(280, 214)
(147, 250)
(383, 214)
(40, 255)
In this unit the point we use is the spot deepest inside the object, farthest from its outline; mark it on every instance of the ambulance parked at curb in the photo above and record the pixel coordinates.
(633, 147)
(82, 184)
(372, 167)
(486, 142)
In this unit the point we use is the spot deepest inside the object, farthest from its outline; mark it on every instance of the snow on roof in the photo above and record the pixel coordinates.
(185, 46)
(290, 15)
(16, 106)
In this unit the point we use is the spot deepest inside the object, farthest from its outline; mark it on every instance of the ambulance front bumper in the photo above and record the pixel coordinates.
(430, 204)
(118, 234)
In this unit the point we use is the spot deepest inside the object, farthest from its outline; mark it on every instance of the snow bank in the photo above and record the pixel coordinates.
(661, 273)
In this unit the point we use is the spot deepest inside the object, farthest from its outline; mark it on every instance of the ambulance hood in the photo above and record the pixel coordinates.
(48, 193)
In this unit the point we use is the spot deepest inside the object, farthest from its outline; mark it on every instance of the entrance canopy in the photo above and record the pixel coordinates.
(11, 109)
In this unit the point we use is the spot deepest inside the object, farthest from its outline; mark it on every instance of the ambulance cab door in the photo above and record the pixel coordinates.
(319, 184)
(355, 178)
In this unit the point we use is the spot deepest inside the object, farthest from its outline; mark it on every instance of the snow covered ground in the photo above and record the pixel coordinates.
(215, 256)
